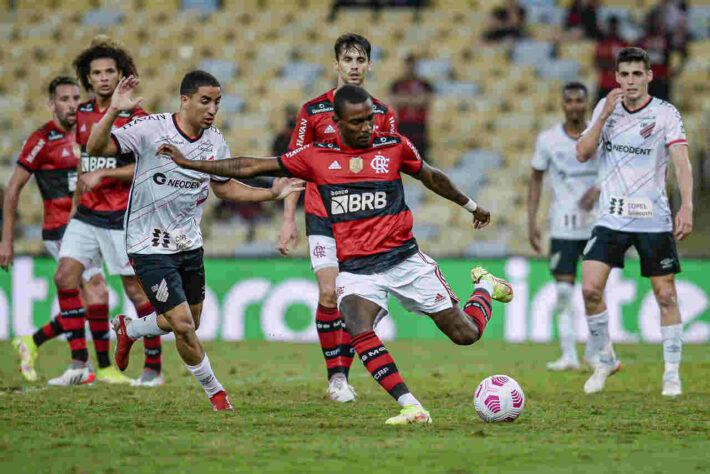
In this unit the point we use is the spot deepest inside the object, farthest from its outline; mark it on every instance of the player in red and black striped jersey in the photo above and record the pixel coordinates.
(95, 232)
(315, 124)
(50, 155)
(357, 175)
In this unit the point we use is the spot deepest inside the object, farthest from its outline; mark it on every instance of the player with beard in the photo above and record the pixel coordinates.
(50, 154)
(571, 212)
(372, 225)
(315, 124)
(95, 232)
(162, 223)
(634, 136)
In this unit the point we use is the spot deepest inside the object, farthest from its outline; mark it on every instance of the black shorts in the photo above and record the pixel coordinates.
(170, 279)
(564, 255)
(656, 250)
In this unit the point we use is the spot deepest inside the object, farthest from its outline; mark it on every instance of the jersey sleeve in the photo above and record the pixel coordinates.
(674, 129)
(391, 121)
(411, 159)
(138, 112)
(541, 157)
(31, 155)
(303, 132)
(595, 116)
(129, 138)
(296, 163)
(222, 154)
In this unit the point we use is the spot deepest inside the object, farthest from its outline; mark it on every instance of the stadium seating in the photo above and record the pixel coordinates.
(491, 99)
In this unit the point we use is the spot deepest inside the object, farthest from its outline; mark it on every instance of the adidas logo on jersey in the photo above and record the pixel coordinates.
(335, 166)
(65, 153)
(329, 129)
(83, 128)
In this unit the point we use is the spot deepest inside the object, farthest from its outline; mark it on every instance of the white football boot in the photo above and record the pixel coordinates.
(671, 384)
(78, 373)
(602, 371)
(339, 390)
(562, 364)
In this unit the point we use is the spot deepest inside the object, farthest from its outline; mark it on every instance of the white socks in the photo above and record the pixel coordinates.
(144, 327)
(599, 337)
(408, 399)
(563, 309)
(484, 284)
(672, 346)
(203, 373)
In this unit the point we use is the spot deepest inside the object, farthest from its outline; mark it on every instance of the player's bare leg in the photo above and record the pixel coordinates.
(564, 284)
(151, 375)
(184, 320)
(334, 339)
(359, 315)
(672, 330)
(594, 277)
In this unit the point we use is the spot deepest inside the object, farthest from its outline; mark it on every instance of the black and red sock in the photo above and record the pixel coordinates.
(73, 318)
(49, 331)
(152, 346)
(379, 363)
(478, 307)
(329, 326)
(97, 314)
(347, 352)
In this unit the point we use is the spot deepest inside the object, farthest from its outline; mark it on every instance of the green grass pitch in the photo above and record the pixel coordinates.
(284, 423)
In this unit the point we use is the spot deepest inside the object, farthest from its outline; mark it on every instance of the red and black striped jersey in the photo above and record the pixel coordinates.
(363, 196)
(315, 124)
(105, 204)
(51, 154)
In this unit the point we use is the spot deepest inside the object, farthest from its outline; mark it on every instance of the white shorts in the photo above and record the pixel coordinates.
(323, 252)
(52, 247)
(417, 283)
(89, 244)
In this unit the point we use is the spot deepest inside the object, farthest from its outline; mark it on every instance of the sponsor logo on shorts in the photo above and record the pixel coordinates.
(635, 208)
(160, 179)
(555, 260)
(667, 263)
(161, 291)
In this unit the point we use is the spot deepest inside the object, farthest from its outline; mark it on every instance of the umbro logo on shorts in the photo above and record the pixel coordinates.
(161, 291)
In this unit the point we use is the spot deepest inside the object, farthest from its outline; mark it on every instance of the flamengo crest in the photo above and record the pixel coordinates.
(380, 164)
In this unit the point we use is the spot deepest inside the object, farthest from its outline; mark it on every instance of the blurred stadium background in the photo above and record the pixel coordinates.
(490, 99)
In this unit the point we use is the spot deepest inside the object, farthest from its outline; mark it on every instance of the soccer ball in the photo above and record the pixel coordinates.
(499, 398)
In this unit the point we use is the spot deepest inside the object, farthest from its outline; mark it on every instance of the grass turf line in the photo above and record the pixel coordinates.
(284, 423)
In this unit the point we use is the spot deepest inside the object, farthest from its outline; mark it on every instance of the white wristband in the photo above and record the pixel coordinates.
(471, 206)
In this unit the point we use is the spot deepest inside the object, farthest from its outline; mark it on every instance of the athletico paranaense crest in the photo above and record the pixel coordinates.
(647, 129)
(356, 164)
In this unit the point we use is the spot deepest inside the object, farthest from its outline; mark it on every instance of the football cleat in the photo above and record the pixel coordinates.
(340, 391)
(122, 350)
(27, 349)
(602, 371)
(671, 384)
(220, 402)
(410, 414)
(111, 375)
(149, 378)
(78, 373)
(563, 364)
(502, 291)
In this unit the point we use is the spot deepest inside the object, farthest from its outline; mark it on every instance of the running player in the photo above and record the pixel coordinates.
(162, 223)
(633, 136)
(95, 232)
(372, 225)
(315, 123)
(574, 195)
(50, 154)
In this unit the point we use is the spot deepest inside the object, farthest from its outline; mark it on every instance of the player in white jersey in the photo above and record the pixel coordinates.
(571, 218)
(162, 222)
(633, 136)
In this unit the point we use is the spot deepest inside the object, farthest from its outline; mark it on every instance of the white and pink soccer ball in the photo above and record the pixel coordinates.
(499, 398)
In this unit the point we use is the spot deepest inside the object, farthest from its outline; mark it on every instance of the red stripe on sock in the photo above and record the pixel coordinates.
(477, 315)
(152, 342)
(144, 310)
(97, 311)
(369, 341)
(78, 343)
(69, 299)
(48, 329)
(71, 324)
(101, 345)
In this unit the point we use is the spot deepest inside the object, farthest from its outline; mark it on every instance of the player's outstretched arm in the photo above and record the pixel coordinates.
(9, 208)
(438, 182)
(684, 175)
(534, 189)
(240, 192)
(588, 143)
(240, 167)
(100, 143)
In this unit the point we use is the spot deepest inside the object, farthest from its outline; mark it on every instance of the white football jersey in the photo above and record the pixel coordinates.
(556, 151)
(633, 162)
(166, 201)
